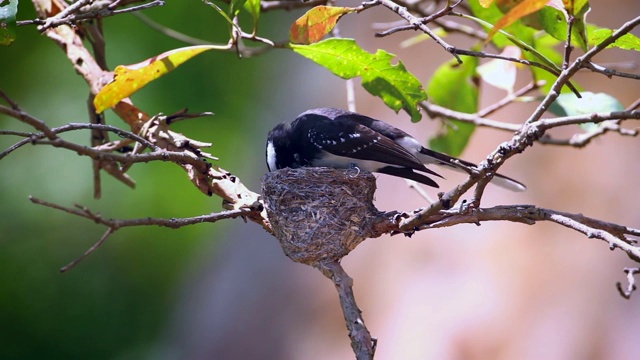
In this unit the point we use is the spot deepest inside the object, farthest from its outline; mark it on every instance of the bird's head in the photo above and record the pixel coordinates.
(278, 152)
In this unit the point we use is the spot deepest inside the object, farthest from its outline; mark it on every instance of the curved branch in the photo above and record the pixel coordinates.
(631, 283)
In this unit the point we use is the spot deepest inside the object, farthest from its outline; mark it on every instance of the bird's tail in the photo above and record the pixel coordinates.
(437, 158)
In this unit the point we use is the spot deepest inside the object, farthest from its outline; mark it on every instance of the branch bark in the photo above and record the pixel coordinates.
(616, 236)
(363, 345)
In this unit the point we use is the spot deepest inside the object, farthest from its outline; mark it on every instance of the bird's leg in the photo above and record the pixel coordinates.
(353, 166)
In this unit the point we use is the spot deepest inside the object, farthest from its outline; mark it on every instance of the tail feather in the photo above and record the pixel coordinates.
(434, 157)
(408, 173)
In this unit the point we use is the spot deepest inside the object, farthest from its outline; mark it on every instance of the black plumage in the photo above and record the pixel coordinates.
(342, 139)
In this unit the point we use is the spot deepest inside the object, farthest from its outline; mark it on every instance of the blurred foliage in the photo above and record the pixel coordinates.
(116, 302)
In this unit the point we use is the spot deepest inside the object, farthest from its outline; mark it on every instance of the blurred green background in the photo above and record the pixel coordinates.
(116, 302)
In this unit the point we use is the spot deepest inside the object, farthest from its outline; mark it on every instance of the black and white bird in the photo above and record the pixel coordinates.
(328, 137)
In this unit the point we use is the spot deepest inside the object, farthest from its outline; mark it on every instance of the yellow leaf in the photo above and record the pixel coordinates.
(316, 23)
(521, 10)
(485, 3)
(131, 78)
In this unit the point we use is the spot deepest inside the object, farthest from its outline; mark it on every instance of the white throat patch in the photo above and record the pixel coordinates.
(271, 156)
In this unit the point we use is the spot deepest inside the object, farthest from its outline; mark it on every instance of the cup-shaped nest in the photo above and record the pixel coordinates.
(319, 214)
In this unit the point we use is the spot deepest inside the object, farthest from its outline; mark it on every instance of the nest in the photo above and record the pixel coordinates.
(319, 214)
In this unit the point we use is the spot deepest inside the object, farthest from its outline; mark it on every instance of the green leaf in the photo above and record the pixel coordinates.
(8, 11)
(234, 7)
(627, 41)
(570, 105)
(455, 87)
(579, 10)
(535, 47)
(579, 31)
(554, 22)
(397, 87)
(485, 3)
(253, 7)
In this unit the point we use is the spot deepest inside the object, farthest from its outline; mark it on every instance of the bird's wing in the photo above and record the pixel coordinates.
(352, 140)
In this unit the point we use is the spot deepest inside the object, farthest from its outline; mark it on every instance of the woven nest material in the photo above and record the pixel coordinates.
(319, 214)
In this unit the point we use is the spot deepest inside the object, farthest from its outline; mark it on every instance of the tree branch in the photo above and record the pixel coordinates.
(566, 74)
(165, 145)
(115, 224)
(269, 5)
(417, 23)
(363, 345)
(78, 12)
(610, 73)
(616, 236)
(425, 20)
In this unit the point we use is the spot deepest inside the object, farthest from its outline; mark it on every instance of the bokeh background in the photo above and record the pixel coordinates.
(226, 291)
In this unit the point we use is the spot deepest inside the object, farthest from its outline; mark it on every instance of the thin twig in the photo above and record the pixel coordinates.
(580, 140)
(455, 27)
(546, 124)
(269, 5)
(635, 105)
(564, 77)
(425, 20)
(434, 111)
(115, 224)
(32, 138)
(567, 44)
(523, 138)
(349, 83)
(631, 283)
(89, 251)
(173, 223)
(93, 14)
(416, 186)
(549, 69)
(610, 72)
(417, 23)
(17, 113)
(509, 99)
(64, 14)
(170, 32)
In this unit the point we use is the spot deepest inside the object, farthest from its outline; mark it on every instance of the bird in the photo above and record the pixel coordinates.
(336, 138)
